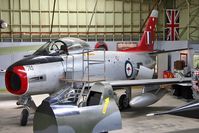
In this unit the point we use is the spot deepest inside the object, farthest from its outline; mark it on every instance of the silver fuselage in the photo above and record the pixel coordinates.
(76, 67)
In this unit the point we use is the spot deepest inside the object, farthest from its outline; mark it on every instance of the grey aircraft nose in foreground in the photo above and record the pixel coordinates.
(99, 113)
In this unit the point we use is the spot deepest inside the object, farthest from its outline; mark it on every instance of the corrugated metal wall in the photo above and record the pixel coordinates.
(189, 19)
(30, 20)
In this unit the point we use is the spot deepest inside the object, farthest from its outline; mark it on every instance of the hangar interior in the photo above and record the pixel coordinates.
(32, 23)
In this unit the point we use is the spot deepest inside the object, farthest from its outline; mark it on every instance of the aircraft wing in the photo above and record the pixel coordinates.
(143, 82)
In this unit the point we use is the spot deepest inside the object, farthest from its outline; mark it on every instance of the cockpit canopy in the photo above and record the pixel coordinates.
(62, 46)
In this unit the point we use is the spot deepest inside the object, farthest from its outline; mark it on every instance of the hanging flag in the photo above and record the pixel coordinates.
(172, 24)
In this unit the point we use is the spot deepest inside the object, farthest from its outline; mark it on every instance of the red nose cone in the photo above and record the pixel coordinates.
(16, 80)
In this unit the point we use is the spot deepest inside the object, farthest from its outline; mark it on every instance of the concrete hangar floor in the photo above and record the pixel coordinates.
(133, 120)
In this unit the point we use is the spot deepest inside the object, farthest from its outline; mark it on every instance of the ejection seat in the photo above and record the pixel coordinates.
(63, 49)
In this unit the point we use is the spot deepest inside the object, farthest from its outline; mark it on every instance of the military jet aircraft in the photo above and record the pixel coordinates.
(68, 62)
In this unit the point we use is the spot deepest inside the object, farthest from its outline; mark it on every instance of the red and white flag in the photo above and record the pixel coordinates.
(172, 24)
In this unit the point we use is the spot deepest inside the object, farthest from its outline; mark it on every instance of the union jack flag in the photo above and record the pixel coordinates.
(172, 25)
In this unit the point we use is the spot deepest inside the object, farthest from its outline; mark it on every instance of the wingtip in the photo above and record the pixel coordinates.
(154, 13)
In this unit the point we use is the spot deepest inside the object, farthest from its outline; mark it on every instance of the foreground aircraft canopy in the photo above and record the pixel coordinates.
(70, 60)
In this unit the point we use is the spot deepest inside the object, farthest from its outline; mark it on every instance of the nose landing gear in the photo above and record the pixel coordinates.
(24, 117)
(29, 105)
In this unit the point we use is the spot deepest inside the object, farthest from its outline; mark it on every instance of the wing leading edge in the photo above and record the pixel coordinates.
(126, 83)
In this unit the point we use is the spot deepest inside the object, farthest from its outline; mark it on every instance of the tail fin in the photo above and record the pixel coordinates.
(147, 41)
